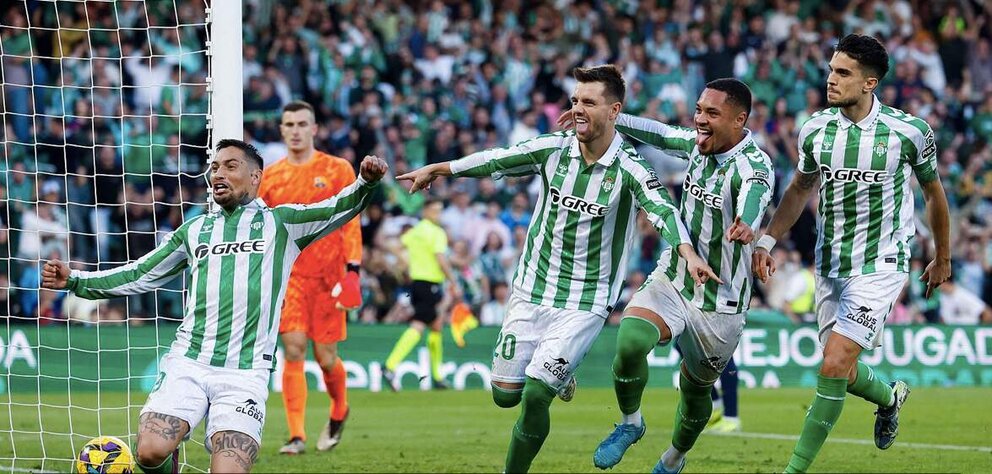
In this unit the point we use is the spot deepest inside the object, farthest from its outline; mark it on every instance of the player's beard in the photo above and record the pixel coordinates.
(843, 102)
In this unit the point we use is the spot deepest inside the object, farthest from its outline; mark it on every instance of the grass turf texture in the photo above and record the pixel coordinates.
(464, 432)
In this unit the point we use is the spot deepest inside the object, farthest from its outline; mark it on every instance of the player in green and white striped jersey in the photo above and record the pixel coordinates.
(240, 259)
(861, 152)
(574, 259)
(728, 185)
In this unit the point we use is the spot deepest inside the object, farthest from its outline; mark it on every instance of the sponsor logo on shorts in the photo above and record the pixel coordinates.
(714, 363)
(863, 317)
(250, 407)
(558, 367)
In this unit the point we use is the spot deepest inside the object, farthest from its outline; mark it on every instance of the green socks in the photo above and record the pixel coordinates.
(635, 339)
(692, 413)
(820, 419)
(436, 349)
(870, 388)
(531, 428)
(407, 342)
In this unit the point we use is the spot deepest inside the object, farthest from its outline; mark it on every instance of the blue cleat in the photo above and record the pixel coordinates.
(887, 419)
(660, 468)
(611, 450)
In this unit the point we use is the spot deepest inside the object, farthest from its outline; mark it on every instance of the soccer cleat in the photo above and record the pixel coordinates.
(887, 418)
(390, 377)
(330, 436)
(567, 392)
(715, 417)
(725, 425)
(439, 385)
(611, 450)
(296, 445)
(660, 468)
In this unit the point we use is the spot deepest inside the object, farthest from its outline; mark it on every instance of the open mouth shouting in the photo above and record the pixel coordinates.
(581, 125)
(220, 189)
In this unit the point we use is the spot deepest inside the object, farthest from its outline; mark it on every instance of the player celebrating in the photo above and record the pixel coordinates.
(728, 183)
(574, 258)
(240, 260)
(860, 152)
(324, 282)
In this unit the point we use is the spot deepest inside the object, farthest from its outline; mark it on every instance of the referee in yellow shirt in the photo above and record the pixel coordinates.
(426, 244)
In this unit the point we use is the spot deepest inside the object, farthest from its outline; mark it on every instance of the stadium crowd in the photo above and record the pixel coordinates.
(430, 81)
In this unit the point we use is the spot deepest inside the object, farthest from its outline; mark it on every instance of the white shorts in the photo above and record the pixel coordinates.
(231, 399)
(707, 339)
(542, 342)
(856, 307)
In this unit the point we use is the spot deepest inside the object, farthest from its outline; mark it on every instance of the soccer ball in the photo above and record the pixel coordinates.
(105, 455)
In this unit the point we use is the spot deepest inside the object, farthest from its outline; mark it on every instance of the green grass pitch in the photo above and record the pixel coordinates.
(464, 432)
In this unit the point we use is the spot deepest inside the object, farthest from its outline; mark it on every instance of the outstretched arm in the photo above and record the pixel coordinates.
(678, 141)
(523, 159)
(151, 271)
(793, 202)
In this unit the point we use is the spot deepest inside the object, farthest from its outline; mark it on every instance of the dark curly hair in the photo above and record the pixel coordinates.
(867, 51)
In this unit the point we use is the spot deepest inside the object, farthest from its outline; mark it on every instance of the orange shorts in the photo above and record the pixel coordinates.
(310, 308)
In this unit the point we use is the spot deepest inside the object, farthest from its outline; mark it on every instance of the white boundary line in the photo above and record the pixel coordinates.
(943, 447)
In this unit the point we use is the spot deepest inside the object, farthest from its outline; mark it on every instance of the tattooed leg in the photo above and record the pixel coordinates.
(158, 436)
(233, 451)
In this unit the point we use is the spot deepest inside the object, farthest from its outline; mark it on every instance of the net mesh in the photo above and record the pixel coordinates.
(105, 135)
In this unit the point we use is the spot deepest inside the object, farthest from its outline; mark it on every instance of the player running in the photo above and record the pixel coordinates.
(861, 154)
(324, 282)
(575, 256)
(240, 260)
(728, 185)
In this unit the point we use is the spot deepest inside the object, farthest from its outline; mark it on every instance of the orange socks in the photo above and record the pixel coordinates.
(336, 380)
(294, 396)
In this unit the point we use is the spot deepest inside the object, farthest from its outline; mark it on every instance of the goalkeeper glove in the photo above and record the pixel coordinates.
(348, 291)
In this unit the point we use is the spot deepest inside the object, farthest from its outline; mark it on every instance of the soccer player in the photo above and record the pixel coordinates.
(240, 259)
(575, 255)
(728, 185)
(324, 282)
(427, 246)
(860, 154)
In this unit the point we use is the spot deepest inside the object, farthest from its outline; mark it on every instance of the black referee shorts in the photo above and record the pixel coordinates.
(425, 295)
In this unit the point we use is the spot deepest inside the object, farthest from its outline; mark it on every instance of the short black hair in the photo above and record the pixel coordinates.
(609, 75)
(298, 105)
(867, 51)
(738, 93)
(251, 153)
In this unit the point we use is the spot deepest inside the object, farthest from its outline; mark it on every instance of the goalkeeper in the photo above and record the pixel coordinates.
(324, 281)
(240, 260)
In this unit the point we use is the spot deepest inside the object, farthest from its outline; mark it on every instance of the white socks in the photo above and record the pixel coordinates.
(633, 418)
(672, 458)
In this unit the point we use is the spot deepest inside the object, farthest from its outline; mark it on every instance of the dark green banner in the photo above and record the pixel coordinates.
(120, 358)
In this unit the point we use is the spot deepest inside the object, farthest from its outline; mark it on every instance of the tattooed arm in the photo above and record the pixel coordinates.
(158, 436)
(233, 451)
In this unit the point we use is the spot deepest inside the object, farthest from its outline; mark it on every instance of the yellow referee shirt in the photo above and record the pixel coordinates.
(423, 242)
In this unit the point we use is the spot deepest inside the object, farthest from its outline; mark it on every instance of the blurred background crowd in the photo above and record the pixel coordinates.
(104, 145)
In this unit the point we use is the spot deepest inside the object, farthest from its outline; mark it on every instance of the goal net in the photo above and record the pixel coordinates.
(107, 126)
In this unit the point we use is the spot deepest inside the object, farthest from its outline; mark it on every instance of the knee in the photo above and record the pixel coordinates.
(537, 394)
(506, 398)
(836, 365)
(149, 455)
(295, 354)
(634, 341)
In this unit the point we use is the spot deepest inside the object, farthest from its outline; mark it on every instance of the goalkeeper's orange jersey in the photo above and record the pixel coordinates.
(318, 179)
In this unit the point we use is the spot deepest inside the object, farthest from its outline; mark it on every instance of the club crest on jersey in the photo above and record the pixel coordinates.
(880, 148)
(319, 182)
(229, 248)
(562, 169)
(256, 225)
(695, 190)
(826, 147)
(853, 175)
(608, 183)
(575, 204)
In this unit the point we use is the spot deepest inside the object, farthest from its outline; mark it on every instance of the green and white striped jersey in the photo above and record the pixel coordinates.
(575, 256)
(716, 189)
(866, 205)
(240, 263)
